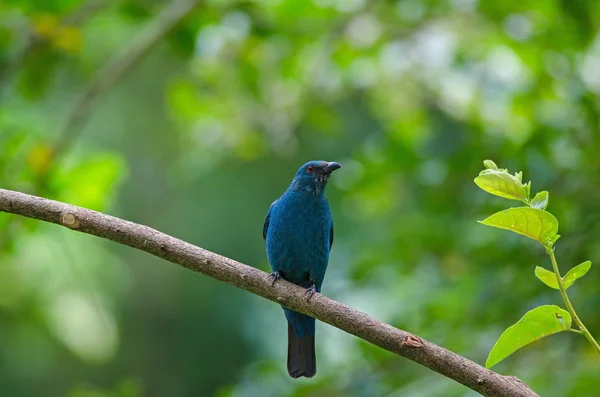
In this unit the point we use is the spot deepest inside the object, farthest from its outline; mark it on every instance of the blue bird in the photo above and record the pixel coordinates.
(298, 231)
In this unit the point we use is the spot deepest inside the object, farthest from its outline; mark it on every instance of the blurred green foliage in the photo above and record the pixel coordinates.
(201, 136)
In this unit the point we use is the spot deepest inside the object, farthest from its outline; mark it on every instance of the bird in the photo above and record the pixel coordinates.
(298, 231)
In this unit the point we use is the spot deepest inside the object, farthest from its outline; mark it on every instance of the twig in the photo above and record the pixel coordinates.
(258, 282)
(563, 292)
(119, 65)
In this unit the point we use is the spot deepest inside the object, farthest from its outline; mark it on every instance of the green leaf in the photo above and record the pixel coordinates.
(489, 164)
(549, 278)
(501, 183)
(540, 200)
(535, 324)
(531, 222)
(577, 272)
(546, 276)
(519, 176)
(553, 240)
(528, 189)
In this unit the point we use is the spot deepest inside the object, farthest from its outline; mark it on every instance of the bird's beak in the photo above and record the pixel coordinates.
(332, 166)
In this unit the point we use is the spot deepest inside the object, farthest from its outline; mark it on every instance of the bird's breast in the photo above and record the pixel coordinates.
(298, 237)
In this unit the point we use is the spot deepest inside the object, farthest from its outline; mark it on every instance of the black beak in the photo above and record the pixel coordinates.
(332, 166)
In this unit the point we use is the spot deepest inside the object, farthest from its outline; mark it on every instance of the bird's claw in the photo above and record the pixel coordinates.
(310, 291)
(274, 276)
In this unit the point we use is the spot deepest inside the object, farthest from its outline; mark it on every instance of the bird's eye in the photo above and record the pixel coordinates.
(310, 168)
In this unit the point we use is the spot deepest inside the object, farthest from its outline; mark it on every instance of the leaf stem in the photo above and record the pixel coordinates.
(563, 291)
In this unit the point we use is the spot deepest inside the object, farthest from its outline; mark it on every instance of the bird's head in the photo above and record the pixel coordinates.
(313, 176)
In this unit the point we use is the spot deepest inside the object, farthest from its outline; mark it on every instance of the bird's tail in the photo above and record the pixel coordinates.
(301, 359)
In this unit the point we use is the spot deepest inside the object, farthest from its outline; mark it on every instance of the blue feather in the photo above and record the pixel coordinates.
(298, 231)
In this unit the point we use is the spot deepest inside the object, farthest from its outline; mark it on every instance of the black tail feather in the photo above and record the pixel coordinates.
(301, 359)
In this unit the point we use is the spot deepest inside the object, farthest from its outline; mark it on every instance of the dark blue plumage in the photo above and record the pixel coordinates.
(298, 231)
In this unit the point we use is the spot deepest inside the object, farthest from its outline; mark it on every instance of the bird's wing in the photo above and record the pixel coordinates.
(267, 219)
(331, 237)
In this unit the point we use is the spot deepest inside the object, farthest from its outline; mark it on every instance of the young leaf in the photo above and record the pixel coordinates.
(489, 164)
(519, 176)
(577, 272)
(535, 324)
(546, 276)
(531, 222)
(501, 183)
(540, 200)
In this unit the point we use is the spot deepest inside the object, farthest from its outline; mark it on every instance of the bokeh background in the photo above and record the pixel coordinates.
(199, 134)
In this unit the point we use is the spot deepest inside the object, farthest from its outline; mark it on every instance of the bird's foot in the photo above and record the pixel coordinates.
(310, 291)
(274, 276)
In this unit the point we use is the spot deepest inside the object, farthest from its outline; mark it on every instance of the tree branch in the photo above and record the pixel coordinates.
(258, 282)
(120, 64)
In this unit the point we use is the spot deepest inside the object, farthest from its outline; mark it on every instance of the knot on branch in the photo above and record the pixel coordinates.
(412, 341)
(69, 220)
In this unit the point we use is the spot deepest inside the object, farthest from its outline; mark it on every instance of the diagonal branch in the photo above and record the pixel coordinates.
(258, 282)
(120, 64)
